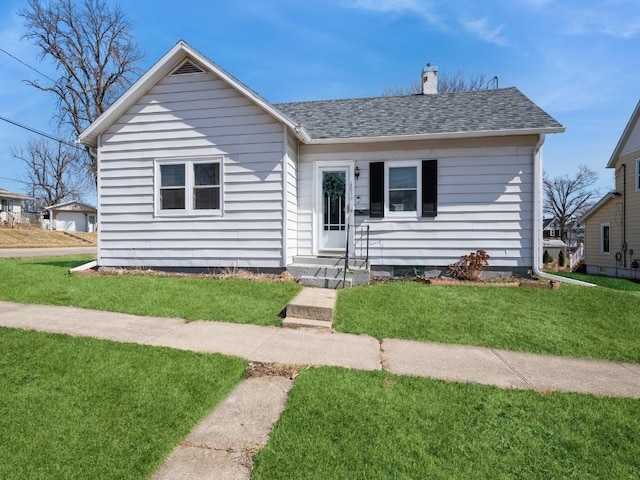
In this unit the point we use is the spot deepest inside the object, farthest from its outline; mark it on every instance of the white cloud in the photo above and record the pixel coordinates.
(424, 8)
(614, 18)
(484, 31)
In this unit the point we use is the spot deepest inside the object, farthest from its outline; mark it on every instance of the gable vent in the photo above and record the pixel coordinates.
(187, 67)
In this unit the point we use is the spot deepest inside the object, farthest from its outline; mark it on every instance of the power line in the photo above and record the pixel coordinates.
(27, 65)
(31, 129)
(12, 180)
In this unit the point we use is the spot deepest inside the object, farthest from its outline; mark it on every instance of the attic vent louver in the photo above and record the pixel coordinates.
(187, 67)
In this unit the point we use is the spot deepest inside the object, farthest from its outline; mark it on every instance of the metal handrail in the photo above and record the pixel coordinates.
(346, 259)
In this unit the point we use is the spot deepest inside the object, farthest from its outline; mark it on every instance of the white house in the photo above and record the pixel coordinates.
(11, 207)
(196, 170)
(72, 216)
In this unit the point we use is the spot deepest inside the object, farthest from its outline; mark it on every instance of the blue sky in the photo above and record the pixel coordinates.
(577, 59)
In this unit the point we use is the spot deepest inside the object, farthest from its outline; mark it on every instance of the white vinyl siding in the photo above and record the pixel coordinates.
(192, 116)
(291, 198)
(485, 201)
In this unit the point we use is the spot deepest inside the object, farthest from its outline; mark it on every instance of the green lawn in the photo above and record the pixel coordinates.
(608, 282)
(47, 281)
(85, 408)
(342, 424)
(572, 321)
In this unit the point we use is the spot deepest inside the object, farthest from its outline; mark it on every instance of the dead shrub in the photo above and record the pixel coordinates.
(470, 266)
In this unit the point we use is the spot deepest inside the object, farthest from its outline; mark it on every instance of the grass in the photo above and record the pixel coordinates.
(47, 281)
(343, 424)
(602, 281)
(572, 321)
(37, 237)
(85, 408)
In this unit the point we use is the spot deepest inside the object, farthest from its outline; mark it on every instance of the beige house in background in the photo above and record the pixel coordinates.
(612, 226)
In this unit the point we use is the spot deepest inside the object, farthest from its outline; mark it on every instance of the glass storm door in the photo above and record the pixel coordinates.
(335, 209)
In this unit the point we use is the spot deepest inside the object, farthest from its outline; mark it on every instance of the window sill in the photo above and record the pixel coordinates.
(398, 219)
(183, 214)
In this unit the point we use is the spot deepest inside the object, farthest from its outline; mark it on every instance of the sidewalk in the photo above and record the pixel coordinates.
(457, 363)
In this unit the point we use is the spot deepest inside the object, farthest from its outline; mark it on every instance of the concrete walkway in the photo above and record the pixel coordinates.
(223, 444)
(308, 347)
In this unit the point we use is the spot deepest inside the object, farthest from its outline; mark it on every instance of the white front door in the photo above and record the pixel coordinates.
(334, 207)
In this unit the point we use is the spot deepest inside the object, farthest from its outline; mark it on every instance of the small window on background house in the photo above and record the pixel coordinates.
(605, 238)
(172, 187)
(638, 174)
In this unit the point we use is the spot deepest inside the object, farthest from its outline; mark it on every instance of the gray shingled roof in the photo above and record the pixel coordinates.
(459, 112)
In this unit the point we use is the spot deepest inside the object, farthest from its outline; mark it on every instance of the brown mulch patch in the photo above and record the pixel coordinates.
(228, 273)
(448, 281)
(259, 369)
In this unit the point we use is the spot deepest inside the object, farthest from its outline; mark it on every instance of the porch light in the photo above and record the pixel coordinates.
(356, 172)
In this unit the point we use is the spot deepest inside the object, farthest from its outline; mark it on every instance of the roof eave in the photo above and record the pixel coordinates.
(437, 136)
(162, 68)
(623, 138)
(15, 196)
(604, 200)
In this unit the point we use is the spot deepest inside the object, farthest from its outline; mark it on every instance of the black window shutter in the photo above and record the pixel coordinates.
(429, 188)
(376, 189)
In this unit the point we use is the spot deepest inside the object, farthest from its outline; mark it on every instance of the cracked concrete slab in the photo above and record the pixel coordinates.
(194, 463)
(221, 446)
(313, 347)
(459, 363)
(575, 375)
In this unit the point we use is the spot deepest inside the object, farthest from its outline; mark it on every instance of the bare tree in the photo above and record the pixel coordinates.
(568, 198)
(458, 82)
(91, 46)
(54, 172)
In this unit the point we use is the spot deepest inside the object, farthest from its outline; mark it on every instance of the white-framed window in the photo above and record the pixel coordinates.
(188, 186)
(605, 238)
(402, 185)
(637, 174)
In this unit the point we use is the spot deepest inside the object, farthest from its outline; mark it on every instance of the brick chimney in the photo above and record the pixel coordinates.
(429, 79)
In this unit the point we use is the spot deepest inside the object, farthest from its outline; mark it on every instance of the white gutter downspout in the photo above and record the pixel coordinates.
(285, 209)
(537, 219)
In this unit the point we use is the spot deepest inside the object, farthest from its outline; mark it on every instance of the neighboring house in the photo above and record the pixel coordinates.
(196, 170)
(11, 207)
(612, 226)
(551, 228)
(72, 217)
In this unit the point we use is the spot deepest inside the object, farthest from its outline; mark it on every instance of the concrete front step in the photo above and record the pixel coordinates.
(325, 282)
(293, 322)
(328, 261)
(312, 307)
(328, 272)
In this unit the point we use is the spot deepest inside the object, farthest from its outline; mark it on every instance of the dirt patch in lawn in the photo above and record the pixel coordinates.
(491, 283)
(259, 369)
